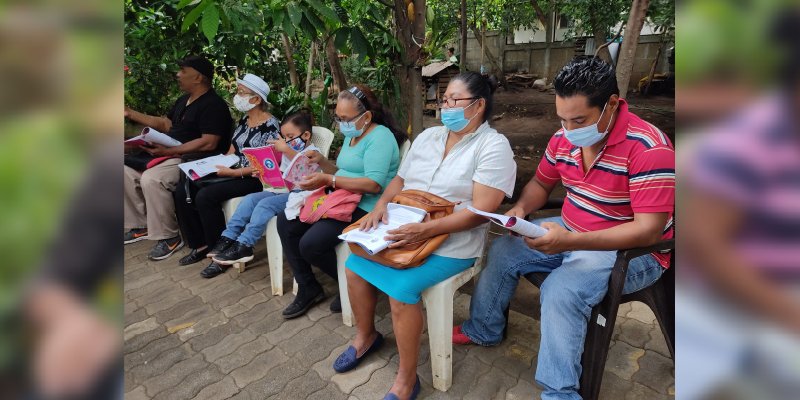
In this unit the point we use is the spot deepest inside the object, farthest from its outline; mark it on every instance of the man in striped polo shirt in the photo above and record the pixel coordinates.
(619, 173)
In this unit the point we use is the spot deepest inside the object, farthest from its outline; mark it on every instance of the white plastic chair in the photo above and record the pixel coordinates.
(342, 251)
(322, 138)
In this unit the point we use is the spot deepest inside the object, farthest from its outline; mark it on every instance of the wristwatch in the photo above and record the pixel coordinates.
(333, 181)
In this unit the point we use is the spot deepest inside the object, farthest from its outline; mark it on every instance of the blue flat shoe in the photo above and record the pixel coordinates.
(348, 360)
(414, 392)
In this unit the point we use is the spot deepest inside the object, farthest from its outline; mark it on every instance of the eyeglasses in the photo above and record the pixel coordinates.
(451, 102)
(356, 118)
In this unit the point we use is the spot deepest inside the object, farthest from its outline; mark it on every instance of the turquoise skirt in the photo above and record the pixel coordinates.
(407, 285)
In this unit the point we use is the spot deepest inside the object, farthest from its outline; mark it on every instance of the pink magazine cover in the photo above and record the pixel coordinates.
(299, 168)
(265, 160)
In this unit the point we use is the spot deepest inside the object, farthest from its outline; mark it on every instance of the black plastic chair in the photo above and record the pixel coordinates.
(660, 297)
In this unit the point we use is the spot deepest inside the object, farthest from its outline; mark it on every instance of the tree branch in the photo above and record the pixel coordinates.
(619, 32)
(539, 12)
(386, 4)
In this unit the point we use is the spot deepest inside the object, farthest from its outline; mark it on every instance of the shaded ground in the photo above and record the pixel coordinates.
(192, 338)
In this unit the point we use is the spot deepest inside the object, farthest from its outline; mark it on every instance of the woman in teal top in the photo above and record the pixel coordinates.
(368, 161)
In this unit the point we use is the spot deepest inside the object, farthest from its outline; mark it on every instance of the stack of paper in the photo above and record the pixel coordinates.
(373, 241)
(207, 166)
(151, 136)
(514, 224)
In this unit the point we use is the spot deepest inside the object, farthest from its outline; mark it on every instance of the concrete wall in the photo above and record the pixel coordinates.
(530, 56)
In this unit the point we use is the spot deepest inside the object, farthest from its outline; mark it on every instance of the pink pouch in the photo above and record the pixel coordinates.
(158, 160)
(338, 205)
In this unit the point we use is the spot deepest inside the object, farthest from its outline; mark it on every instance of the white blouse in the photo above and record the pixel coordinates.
(484, 156)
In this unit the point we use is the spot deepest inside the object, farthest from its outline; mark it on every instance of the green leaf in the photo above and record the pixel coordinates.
(277, 19)
(319, 26)
(194, 14)
(184, 3)
(324, 10)
(429, 17)
(288, 27)
(373, 26)
(294, 13)
(341, 12)
(210, 23)
(307, 27)
(340, 40)
(360, 44)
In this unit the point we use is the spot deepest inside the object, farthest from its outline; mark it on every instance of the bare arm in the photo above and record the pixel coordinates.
(483, 198)
(533, 197)
(161, 124)
(357, 185)
(646, 229)
(206, 142)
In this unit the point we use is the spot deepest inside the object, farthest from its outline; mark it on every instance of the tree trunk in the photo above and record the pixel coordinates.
(310, 68)
(339, 79)
(287, 49)
(599, 40)
(546, 19)
(410, 71)
(487, 51)
(629, 43)
(462, 61)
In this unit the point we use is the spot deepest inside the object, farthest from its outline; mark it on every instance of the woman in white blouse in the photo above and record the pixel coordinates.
(463, 161)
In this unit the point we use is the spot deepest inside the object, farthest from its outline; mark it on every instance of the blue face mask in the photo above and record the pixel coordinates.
(453, 118)
(297, 144)
(349, 129)
(587, 135)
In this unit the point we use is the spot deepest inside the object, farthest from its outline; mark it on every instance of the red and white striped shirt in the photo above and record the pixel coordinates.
(633, 173)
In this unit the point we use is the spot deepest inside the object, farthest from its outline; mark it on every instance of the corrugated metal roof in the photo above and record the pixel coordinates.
(434, 68)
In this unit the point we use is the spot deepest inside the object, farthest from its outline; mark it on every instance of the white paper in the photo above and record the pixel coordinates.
(518, 225)
(373, 241)
(151, 136)
(207, 166)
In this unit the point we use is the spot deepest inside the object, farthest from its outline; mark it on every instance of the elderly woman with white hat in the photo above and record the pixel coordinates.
(202, 220)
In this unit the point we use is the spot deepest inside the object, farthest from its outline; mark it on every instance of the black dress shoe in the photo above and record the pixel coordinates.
(213, 270)
(304, 300)
(193, 257)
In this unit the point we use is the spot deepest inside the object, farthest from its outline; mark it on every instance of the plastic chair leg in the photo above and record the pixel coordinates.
(439, 305)
(342, 252)
(275, 257)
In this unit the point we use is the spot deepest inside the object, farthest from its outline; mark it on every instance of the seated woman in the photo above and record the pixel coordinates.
(249, 222)
(368, 161)
(202, 221)
(463, 161)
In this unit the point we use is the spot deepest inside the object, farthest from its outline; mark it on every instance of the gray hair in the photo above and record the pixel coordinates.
(346, 95)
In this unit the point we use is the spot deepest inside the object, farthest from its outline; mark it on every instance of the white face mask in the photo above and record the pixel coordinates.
(242, 103)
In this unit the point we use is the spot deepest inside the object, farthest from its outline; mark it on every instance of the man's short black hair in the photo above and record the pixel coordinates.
(452, 49)
(588, 76)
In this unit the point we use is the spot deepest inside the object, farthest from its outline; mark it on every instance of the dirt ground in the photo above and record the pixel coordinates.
(528, 118)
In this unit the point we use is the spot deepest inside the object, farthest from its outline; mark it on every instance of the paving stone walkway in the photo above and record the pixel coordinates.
(224, 338)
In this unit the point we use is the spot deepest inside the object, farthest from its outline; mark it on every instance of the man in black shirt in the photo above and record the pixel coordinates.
(202, 122)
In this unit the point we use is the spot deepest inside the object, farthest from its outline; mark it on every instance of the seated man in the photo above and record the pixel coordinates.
(200, 120)
(619, 173)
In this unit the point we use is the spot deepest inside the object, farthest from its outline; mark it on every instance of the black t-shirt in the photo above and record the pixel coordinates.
(207, 114)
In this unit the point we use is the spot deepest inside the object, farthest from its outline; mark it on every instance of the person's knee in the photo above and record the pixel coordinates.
(559, 296)
(503, 252)
(205, 200)
(312, 246)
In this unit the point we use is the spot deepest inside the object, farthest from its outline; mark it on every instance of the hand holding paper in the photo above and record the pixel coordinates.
(514, 224)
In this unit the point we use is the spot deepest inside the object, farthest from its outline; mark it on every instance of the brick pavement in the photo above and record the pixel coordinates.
(224, 338)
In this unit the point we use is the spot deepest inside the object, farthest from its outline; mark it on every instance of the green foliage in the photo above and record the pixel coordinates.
(586, 16)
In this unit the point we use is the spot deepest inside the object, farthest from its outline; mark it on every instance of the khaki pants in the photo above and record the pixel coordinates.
(148, 199)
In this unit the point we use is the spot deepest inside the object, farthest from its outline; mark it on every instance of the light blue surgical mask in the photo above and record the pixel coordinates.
(587, 135)
(349, 129)
(454, 119)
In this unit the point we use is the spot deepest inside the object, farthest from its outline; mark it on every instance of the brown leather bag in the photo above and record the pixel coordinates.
(412, 254)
